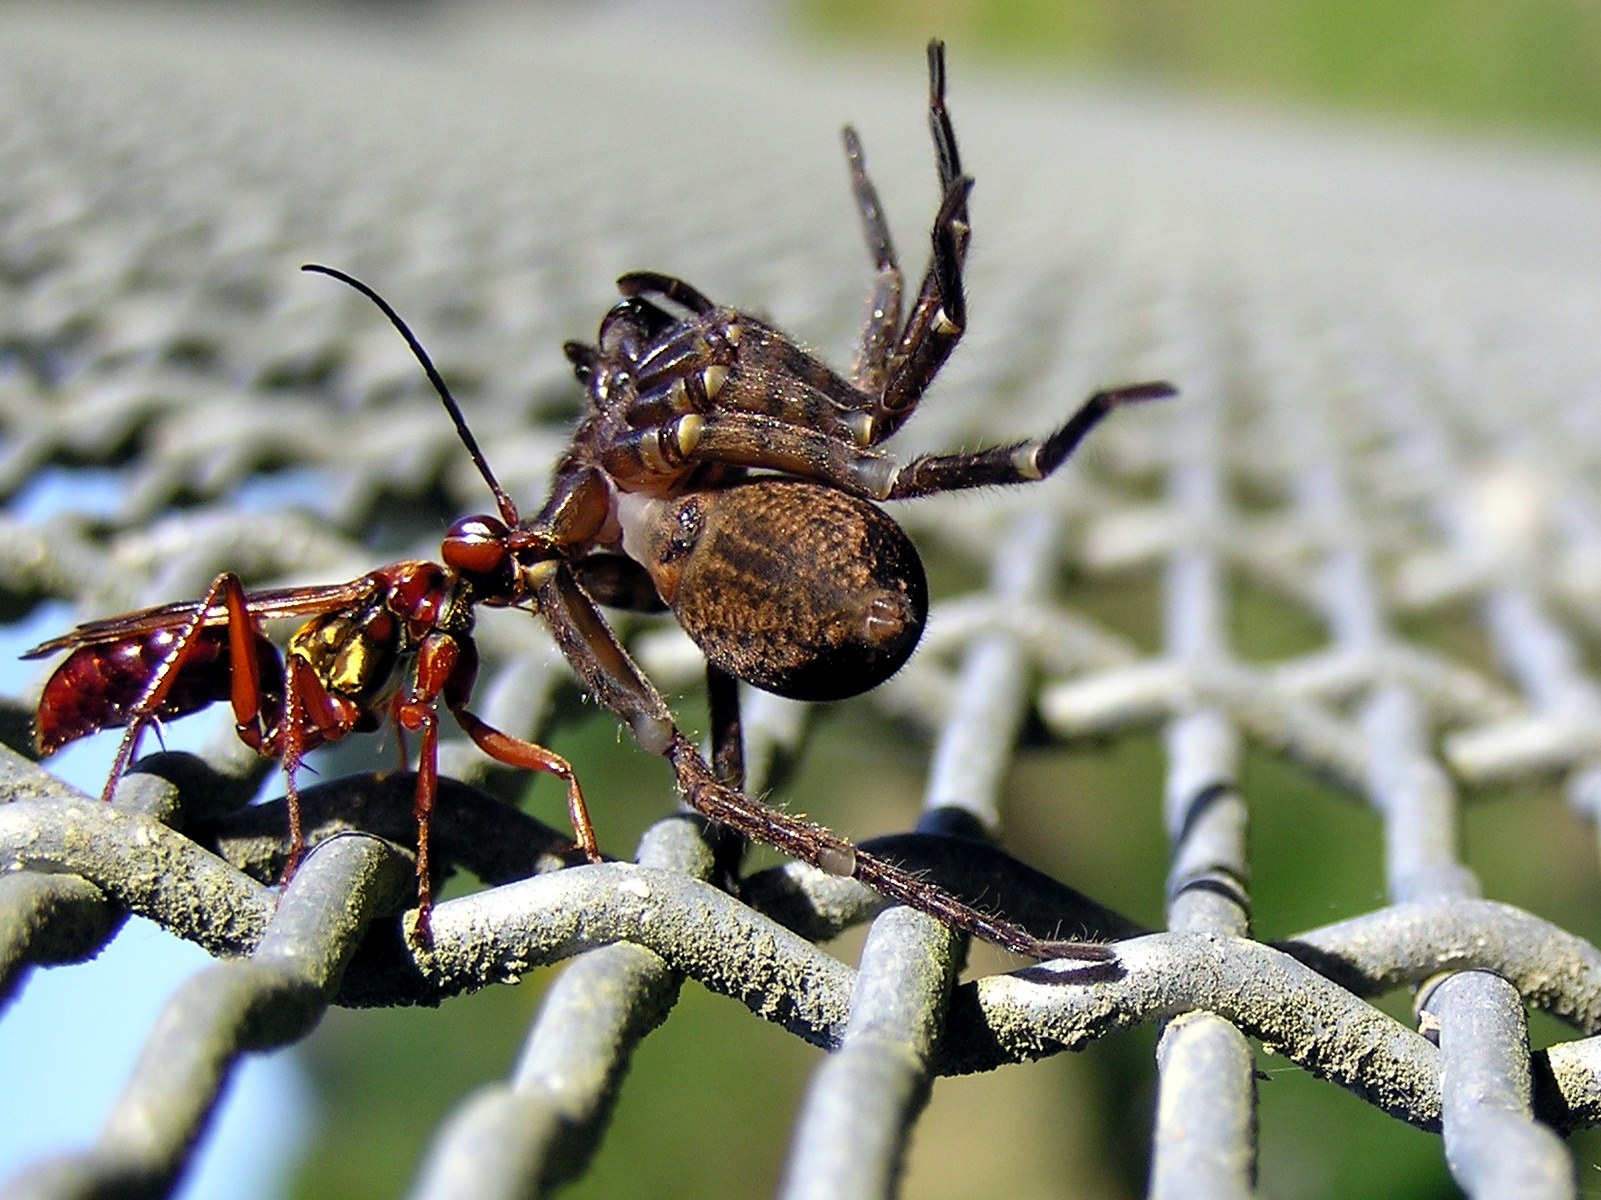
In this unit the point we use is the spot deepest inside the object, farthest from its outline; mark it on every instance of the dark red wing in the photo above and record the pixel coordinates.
(267, 605)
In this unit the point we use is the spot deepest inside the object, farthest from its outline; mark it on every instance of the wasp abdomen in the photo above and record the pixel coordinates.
(97, 686)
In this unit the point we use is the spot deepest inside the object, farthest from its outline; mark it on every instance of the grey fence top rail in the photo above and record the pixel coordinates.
(1395, 344)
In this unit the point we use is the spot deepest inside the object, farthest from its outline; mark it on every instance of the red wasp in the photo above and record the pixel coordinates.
(395, 642)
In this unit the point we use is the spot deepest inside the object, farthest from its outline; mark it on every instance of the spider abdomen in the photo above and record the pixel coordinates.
(795, 588)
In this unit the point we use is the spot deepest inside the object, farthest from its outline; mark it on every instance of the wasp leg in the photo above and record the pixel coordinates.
(515, 752)
(245, 683)
(311, 717)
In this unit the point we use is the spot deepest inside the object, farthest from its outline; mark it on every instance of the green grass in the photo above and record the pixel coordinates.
(1480, 62)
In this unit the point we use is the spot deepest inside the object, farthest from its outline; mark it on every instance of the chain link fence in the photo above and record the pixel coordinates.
(1389, 422)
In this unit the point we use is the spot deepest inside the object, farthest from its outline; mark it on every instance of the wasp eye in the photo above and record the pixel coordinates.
(476, 545)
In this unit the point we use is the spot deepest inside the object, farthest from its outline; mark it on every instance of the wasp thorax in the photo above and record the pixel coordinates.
(352, 653)
(796, 588)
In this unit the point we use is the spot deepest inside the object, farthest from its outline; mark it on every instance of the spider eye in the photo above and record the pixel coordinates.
(476, 545)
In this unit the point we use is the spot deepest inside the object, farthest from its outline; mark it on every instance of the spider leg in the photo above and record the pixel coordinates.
(754, 440)
(728, 765)
(748, 439)
(939, 120)
(613, 679)
(879, 334)
(617, 581)
(1022, 462)
(684, 372)
(728, 734)
(938, 318)
(645, 283)
(939, 314)
(582, 358)
(575, 512)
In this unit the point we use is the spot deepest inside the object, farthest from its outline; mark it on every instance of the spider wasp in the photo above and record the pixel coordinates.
(720, 471)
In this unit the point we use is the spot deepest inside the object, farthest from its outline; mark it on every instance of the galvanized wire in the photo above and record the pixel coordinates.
(1400, 354)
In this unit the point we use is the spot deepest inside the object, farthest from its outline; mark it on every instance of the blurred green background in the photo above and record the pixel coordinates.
(708, 1107)
(1515, 65)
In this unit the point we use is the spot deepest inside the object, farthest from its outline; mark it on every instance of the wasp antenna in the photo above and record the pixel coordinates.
(508, 508)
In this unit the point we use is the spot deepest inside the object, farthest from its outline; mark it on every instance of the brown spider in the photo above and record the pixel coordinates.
(790, 579)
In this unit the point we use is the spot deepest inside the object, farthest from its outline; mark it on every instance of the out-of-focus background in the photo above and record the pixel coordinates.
(1521, 69)
(1404, 152)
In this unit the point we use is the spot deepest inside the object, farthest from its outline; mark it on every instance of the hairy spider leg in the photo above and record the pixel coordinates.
(574, 514)
(870, 371)
(894, 365)
(937, 320)
(683, 371)
(617, 581)
(727, 733)
(754, 440)
(644, 283)
(1022, 462)
(686, 372)
(939, 121)
(939, 314)
(612, 678)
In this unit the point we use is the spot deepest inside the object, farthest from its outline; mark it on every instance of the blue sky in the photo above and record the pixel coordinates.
(75, 1032)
